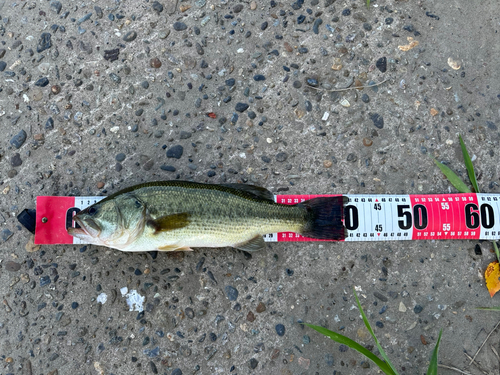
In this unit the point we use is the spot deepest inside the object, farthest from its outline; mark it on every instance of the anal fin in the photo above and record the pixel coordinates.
(254, 244)
(174, 248)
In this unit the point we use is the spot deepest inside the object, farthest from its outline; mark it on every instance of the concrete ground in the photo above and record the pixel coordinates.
(97, 96)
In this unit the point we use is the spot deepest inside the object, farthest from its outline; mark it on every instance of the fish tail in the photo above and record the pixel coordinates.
(324, 218)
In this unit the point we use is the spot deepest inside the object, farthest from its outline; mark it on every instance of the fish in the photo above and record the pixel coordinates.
(181, 215)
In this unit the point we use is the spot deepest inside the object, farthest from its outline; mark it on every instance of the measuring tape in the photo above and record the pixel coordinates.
(366, 217)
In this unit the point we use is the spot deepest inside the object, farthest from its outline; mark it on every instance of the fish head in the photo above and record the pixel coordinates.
(112, 222)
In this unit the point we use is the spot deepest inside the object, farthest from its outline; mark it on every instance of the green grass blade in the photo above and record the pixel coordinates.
(341, 339)
(368, 3)
(453, 178)
(495, 247)
(494, 308)
(433, 366)
(367, 324)
(468, 165)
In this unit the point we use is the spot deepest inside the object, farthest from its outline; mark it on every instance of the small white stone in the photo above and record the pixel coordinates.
(44, 68)
(269, 140)
(114, 129)
(402, 307)
(124, 290)
(345, 103)
(102, 298)
(325, 116)
(135, 301)
(240, 50)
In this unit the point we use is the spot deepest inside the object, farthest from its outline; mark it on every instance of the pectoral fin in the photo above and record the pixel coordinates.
(255, 244)
(174, 248)
(169, 222)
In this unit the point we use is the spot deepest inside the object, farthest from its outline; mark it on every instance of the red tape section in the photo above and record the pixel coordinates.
(445, 217)
(51, 220)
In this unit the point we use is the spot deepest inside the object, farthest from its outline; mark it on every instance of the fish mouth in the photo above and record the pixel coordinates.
(88, 228)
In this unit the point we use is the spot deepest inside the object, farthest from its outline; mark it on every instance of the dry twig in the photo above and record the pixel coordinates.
(477, 365)
(454, 369)
(495, 351)
(350, 88)
(484, 342)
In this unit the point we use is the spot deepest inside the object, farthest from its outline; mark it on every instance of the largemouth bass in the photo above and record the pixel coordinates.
(179, 215)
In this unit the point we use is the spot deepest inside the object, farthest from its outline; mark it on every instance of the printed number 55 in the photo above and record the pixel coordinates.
(446, 226)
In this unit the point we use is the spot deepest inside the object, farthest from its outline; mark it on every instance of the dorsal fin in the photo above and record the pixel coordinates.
(169, 222)
(257, 191)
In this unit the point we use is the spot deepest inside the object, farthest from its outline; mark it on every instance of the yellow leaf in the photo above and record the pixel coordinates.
(492, 275)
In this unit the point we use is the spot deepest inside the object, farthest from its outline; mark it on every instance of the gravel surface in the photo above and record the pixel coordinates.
(301, 97)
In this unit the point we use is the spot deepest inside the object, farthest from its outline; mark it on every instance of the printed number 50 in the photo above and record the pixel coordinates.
(446, 227)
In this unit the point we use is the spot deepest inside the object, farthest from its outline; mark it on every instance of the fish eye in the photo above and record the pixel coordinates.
(92, 211)
(138, 204)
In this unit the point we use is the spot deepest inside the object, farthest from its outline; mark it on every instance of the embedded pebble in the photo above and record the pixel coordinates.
(316, 25)
(18, 140)
(282, 156)
(120, 157)
(155, 63)
(42, 82)
(231, 293)
(175, 152)
(44, 42)
(253, 363)
(312, 82)
(168, 168)
(130, 36)
(378, 121)
(382, 64)
(15, 160)
(12, 266)
(241, 107)
(163, 34)
(179, 26)
(157, 7)
(280, 329)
